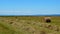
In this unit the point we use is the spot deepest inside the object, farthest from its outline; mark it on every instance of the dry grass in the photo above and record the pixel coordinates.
(29, 25)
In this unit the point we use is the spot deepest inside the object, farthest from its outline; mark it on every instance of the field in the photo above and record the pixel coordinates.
(29, 25)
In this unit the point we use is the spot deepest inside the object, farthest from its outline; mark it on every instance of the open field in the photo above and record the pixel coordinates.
(29, 25)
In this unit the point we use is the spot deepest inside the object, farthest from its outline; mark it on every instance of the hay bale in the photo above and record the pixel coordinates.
(47, 19)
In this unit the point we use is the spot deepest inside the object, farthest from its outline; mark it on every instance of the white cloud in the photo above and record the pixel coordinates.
(29, 12)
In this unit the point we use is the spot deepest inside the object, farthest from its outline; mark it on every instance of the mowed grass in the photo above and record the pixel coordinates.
(27, 25)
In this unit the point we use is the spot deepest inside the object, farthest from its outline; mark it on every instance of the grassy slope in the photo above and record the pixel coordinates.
(26, 25)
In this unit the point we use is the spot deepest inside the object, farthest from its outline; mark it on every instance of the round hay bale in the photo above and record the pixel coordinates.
(47, 19)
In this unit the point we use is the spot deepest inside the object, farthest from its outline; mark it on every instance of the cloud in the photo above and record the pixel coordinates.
(29, 12)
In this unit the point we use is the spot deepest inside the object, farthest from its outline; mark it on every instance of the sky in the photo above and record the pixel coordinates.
(29, 7)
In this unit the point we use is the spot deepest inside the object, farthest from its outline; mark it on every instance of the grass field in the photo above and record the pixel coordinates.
(29, 25)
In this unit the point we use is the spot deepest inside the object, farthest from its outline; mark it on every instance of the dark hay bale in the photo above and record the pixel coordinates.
(48, 20)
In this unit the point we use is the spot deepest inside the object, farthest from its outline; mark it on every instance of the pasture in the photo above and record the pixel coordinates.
(29, 25)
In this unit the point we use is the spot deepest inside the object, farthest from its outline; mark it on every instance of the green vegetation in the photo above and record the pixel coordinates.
(28, 25)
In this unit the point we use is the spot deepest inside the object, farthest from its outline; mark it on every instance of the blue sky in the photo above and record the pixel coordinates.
(29, 7)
